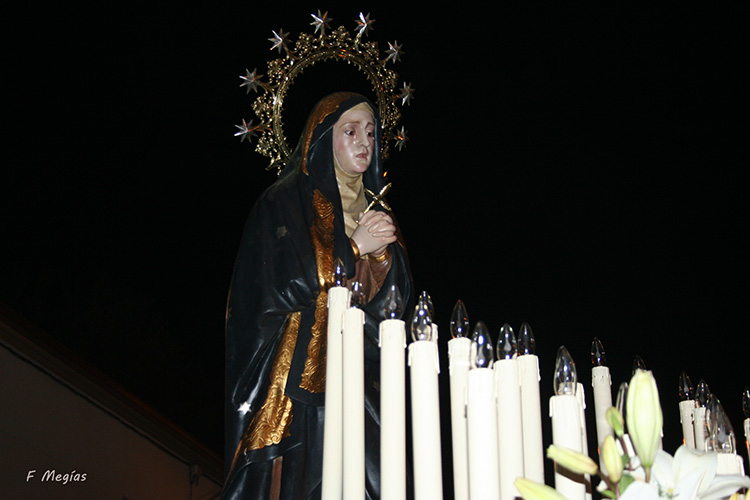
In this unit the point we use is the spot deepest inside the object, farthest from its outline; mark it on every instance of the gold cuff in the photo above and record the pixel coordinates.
(355, 249)
(381, 258)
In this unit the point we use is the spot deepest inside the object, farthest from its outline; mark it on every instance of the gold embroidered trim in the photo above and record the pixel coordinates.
(271, 423)
(321, 236)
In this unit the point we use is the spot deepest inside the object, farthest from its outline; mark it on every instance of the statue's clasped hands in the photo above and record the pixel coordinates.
(375, 231)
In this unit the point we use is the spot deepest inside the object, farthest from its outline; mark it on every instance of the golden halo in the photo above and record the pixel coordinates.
(338, 45)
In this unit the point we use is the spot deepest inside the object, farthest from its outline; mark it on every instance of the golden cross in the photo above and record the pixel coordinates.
(378, 199)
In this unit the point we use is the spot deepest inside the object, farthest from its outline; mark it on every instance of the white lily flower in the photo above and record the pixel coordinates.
(690, 475)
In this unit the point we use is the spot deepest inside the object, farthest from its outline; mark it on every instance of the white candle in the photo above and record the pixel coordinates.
(425, 402)
(702, 396)
(481, 413)
(424, 367)
(354, 405)
(458, 357)
(481, 418)
(458, 368)
(338, 301)
(392, 409)
(531, 405)
(686, 405)
(567, 431)
(581, 395)
(509, 420)
(601, 382)
(686, 419)
(699, 426)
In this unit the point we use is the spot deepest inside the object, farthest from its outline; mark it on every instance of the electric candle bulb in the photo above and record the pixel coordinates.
(506, 343)
(394, 305)
(526, 341)
(702, 393)
(638, 364)
(686, 391)
(481, 354)
(459, 321)
(686, 394)
(339, 273)
(428, 302)
(421, 323)
(566, 377)
(720, 429)
(358, 294)
(746, 402)
(598, 356)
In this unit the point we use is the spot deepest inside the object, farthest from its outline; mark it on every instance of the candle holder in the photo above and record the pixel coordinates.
(601, 382)
(686, 394)
(509, 418)
(458, 368)
(531, 405)
(425, 401)
(567, 432)
(481, 415)
(392, 398)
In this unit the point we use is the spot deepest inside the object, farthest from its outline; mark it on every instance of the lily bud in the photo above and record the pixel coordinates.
(644, 416)
(572, 460)
(612, 459)
(531, 490)
(615, 420)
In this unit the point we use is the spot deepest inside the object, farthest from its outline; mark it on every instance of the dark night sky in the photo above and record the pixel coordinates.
(579, 170)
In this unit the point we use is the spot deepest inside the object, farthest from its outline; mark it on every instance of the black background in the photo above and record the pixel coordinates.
(578, 169)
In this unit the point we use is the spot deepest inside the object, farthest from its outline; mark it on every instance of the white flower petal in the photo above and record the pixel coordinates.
(687, 460)
(662, 471)
(723, 486)
(640, 491)
(687, 487)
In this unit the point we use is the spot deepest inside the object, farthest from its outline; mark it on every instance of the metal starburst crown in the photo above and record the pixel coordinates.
(323, 45)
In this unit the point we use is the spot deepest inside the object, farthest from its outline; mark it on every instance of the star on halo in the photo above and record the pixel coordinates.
(279, 40)
(407, 93)
(252, 81)
(401, 138)
(246, 130)
(394, 52)
(364, 24)
(321, 23)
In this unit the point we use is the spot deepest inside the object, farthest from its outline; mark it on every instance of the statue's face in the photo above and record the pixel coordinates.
(354, 140)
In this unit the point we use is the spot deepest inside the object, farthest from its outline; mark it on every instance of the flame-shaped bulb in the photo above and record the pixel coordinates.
(638, 363)
(480, 354)
(394, 305)
(702, 393)
(459, 321)
(358, 294)
(598, 356)
(746, 402)
(685, 391)
(428, 301)
(526, 342)
(421, 323)
(566, 377)
(720, 430)
(339, 273)
(506, 343)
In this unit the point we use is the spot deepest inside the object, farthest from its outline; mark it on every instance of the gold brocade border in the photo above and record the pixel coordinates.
(321, 236)
(271, 423)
